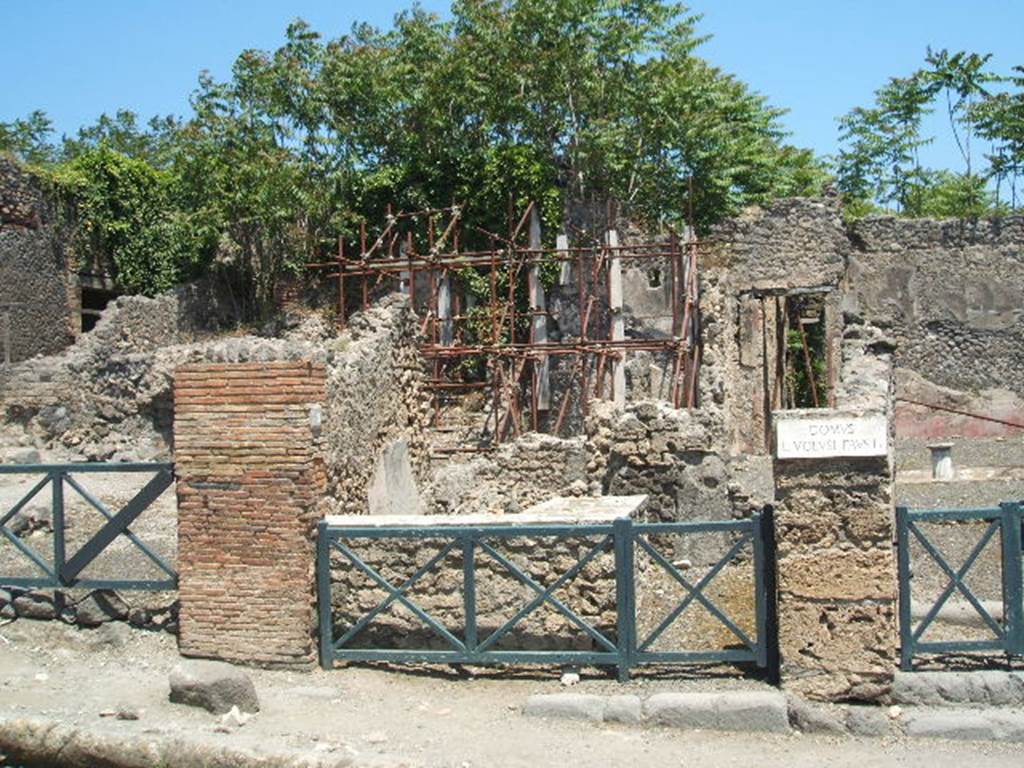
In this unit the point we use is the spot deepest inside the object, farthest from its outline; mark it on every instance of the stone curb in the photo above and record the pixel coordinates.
(761, 712)
(979, 724)
(966, 724)
(42, 742)
(774, 712)
(938, 689)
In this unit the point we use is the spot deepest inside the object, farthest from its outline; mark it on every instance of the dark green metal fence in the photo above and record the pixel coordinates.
(1007, 633)
(61, 568)
(620, 647)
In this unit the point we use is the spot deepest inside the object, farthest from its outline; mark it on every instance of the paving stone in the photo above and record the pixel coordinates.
(965, 724)
(214, 686)
(570, 706)
(742, 711)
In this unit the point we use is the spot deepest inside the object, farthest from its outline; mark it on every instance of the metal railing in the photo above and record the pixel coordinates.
(621, 648)
(1007, 634)
(63, 569)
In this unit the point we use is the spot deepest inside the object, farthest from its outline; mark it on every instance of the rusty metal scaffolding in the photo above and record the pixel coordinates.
(495, 345)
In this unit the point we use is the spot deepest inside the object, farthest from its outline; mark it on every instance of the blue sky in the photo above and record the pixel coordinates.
(78, 58)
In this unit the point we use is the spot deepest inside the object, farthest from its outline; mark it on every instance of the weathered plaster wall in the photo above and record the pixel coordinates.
(376, 413)
(950, 292)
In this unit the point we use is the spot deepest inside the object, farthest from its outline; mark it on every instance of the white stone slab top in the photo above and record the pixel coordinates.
(561, 510)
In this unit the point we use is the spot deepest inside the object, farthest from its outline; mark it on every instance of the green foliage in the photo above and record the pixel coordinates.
(1000, 119)
(555, 100)
(125, 212)
(122, 133)
(799, 392)
(506, 102)
(28, 138)
(879, 163)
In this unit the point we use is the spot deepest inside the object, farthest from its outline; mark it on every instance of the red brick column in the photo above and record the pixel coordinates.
(250, 476)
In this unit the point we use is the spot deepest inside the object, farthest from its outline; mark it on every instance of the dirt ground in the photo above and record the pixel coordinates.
(414, 717)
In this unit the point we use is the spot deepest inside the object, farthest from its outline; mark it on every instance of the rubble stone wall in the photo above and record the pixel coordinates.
(40, 291)
(21, 196)
(251, 479)
(109, 396)
(791, 245)
(375, 399)
(500, 595)
(515, 476)
(835, 560)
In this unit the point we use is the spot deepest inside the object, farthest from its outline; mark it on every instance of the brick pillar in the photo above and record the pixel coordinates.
(836, 573)
(250, 478)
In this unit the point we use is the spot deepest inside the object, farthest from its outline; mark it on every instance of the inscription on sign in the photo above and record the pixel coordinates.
(822, 438)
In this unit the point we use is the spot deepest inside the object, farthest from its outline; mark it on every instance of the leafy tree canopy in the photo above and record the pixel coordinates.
(879, 165)
(547, 100)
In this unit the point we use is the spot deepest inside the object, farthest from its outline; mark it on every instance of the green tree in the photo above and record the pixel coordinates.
(1000, 119)
(28, 138)
(555, 100)
(154, 143)
(125, 216)
(505, 102)
(962, 79)
(879, 162)
(880, 159)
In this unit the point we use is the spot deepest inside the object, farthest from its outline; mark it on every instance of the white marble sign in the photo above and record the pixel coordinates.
(828, 437)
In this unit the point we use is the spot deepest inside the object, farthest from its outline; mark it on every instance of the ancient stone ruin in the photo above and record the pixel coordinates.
(652, 366)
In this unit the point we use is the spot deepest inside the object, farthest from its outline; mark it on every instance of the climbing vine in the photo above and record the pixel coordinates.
(125, 217)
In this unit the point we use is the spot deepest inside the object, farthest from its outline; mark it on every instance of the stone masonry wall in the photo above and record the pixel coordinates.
(835, 560)
(791, 245)
(109, 396)
(515, 476)
(251, 479)
(21, 196)
(376, 404)
(950, 292)
(39, 290)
